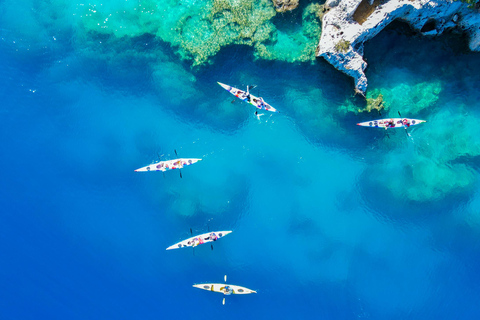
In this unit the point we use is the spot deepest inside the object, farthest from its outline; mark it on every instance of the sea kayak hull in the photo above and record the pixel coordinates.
(254, 101)
(397, 123)
(168, 165)
(220, 287)
(200, 239)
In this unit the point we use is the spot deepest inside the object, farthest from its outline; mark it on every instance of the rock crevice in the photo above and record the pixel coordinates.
(348, 24)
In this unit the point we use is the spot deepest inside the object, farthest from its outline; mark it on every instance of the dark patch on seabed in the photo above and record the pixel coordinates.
(400, 38)
(393, 208)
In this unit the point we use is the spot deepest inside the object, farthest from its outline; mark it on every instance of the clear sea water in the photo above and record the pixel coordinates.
(330, 220)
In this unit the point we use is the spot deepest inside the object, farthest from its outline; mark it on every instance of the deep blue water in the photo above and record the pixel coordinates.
(330, 220)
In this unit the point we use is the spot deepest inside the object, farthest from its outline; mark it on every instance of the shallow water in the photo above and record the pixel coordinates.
(330, 220)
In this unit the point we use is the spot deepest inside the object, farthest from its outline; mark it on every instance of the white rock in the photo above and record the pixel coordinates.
(338, 25)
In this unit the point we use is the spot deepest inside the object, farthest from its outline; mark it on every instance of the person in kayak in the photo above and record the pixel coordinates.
(242, 95)
(197, 241)
(227, 290)
(262, 104)
(406, 123)
(248, 94)
(390, 124)
(212, 236)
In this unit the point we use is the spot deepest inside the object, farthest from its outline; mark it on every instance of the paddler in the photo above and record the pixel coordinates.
(389, 124)
(212, 237)
(248, 94)
(262, 104)
(227, 291)
(196, 242)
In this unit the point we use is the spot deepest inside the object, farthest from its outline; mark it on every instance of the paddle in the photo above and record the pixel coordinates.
(160, 160)
(178, 169)
(248, 93)
(406, 131)
(225, 279)
(208, 228)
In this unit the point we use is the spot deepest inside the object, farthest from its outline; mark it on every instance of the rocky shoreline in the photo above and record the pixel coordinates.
(348, 24)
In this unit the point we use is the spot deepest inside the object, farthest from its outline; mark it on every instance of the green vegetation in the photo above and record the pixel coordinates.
(471, 3)
(406, 97)
(374, 104)
(198, 30)
(342, 46)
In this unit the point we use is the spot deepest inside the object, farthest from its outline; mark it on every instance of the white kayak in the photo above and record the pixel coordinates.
(249, 98)
(200, 239)
(168, 165)
(226, 289)
(391, 123)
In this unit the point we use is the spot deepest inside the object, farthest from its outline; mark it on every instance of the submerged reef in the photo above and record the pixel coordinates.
(285, 5)
(296, 45)
(198, 30)
(422, 178)
(436, 164)
(374, 104)
(408, 98)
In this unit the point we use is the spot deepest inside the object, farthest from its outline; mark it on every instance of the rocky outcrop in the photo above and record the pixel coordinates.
(285, 5)
(350, 23)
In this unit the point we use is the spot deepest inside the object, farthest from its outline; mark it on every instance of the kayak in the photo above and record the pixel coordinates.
(397, 123)
(220, 287)
(200, 239)
(249, 98)
(168, 165)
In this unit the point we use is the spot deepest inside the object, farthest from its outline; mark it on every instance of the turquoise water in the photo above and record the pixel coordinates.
(329, 220)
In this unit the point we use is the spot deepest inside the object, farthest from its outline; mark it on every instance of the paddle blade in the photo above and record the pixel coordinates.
(225, 278)
(175, 152)
(223, 302)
